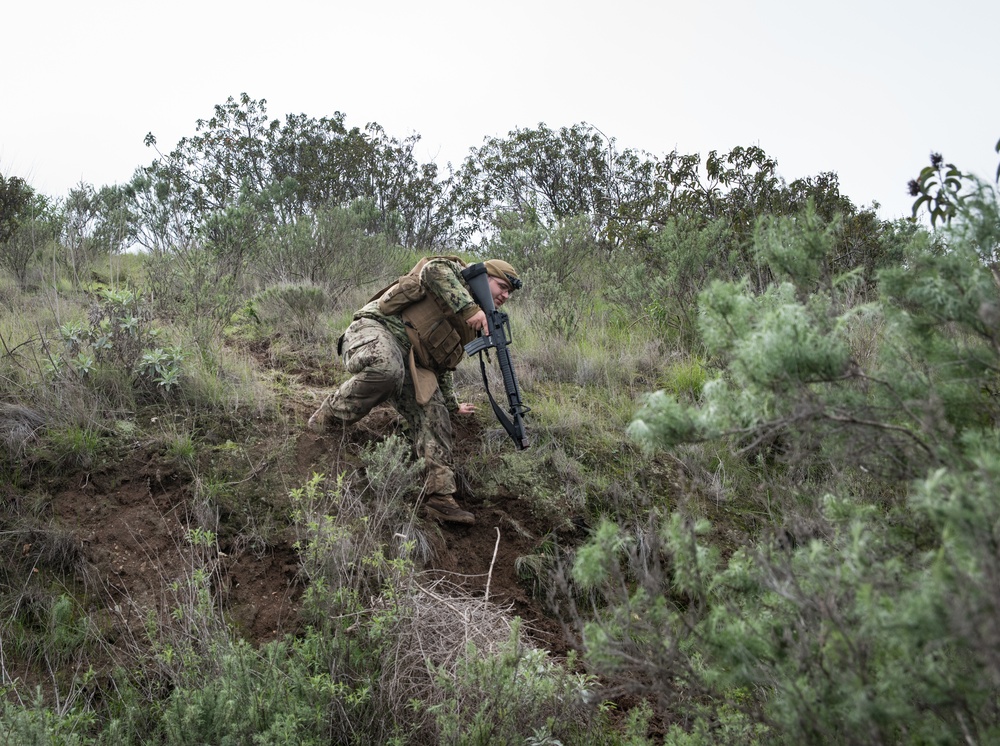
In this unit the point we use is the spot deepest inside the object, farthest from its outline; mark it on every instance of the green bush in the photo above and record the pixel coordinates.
(280, 694)
(868, 623)
(35, 724)
(295, 308)
(517, 696)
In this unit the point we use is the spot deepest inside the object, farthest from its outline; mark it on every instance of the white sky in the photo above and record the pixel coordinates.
(866, 88)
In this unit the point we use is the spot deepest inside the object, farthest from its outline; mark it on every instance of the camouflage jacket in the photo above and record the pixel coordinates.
(443, 278)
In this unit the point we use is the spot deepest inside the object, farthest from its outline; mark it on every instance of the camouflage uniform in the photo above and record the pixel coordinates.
(376, 350)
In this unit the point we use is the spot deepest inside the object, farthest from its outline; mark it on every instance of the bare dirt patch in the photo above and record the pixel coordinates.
(128, 522)
(480, 559)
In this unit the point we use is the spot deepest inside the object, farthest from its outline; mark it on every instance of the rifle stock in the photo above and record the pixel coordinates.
(498, 338)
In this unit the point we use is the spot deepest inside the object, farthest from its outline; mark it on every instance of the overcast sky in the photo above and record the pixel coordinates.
(867, 89)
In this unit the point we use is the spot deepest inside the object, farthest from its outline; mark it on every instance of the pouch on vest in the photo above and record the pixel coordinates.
(425, 382)
(437, 343)
(444, 345)
(408, 289)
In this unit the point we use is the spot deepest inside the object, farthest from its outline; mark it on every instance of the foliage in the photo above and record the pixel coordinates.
(392, 474)
(280, 694)
(73, 444)
(853, 630)
(161, 368)
(516, 696)
(20, 251)
(299, 307)
(331, 248)
(545, 176)
(93, 226)
(791, 385)
(798, 547)
(859, 637)
(38, 725)
(677, 263)
(342, 536)
(15, 198)
(118, 334)
(288, 170)
(938, 188)
(28, 225)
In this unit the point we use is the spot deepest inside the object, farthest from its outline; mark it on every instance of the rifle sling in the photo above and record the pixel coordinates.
(501, 415)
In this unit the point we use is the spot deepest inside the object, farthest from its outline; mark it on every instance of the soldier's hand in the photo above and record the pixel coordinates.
(478, 321)
(466, 408)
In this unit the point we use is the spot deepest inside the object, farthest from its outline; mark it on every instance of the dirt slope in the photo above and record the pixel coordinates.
(124, 524)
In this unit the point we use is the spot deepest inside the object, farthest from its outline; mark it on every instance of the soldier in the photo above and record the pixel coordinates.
(402, 347)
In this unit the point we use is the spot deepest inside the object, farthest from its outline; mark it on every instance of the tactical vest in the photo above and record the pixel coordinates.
(437, 334)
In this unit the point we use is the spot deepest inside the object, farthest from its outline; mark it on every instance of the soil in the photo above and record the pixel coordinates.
(125, 524)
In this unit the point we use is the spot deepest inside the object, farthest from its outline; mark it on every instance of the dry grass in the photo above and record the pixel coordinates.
(18, 425)
(439, 625)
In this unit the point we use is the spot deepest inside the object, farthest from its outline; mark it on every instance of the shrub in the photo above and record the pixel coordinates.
(513, 695)
(297, 308)
(18, 253)
(853, 631)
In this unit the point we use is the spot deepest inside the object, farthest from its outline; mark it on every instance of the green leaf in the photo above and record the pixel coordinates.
(919, 203)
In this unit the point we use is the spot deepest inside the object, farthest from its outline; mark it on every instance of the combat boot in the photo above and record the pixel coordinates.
(444, 508)
(323, 420)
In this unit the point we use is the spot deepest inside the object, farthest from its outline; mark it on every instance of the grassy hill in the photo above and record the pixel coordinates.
(793, 540)
(152, 529)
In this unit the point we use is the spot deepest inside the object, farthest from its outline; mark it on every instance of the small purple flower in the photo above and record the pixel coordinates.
(936, 159)
(914, 188)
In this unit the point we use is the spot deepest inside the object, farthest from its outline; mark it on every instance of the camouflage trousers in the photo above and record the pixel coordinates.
(379, 372)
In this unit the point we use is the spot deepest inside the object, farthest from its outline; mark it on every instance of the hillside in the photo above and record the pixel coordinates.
(121, 526)
(118, 536)
(759, 506)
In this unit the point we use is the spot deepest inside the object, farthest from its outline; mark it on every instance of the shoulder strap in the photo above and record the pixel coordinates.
(416, 271)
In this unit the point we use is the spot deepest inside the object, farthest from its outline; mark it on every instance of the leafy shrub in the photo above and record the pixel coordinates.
(331, 250)
(18, 253)
(160, 369)
(512, 696)
(118, 336)
(854, 631)
(38, 724)
(661, 286)
(280, 694)
(297, 308)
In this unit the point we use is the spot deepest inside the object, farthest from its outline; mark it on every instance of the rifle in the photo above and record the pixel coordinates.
(498, 338)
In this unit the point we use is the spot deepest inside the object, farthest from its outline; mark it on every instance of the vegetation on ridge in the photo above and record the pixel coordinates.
(760, 495)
